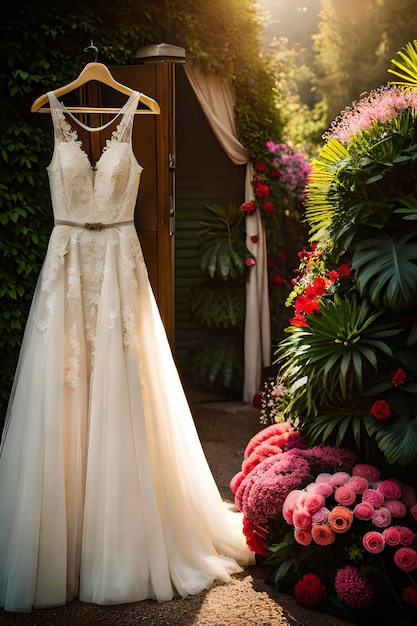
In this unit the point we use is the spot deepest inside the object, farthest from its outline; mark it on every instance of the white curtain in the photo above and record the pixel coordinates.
(217, 100)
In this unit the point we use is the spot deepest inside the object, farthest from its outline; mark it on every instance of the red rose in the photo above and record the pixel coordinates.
(278, 280)
(281, 257)
(260, 165)
(268, 207)
(248, 207)
(344, 270)
(261, 190)
(381, 410)
(255, 238)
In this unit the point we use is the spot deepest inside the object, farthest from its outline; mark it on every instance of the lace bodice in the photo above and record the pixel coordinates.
(106, 193)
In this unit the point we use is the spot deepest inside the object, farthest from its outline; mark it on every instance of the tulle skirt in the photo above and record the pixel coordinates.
(105, 491)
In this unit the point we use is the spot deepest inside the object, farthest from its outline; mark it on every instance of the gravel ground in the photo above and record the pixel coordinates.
(224, 428)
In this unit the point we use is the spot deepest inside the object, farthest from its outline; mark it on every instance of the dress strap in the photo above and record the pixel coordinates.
(57, 104)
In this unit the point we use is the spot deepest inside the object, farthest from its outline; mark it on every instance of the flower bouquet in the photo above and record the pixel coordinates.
(337, 535)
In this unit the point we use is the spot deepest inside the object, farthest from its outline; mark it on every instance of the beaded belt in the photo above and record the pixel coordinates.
(93, 226)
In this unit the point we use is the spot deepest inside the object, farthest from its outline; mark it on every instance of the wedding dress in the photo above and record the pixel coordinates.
(105, 492)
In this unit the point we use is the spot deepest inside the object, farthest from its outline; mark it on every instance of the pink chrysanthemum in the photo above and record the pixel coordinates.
(352, 588)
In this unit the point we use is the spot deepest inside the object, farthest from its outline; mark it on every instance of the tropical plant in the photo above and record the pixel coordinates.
(218, 303)
(348, 358)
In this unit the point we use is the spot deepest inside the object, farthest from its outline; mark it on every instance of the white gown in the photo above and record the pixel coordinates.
(105, 492)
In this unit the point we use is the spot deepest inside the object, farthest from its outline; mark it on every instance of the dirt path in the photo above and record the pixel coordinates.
(225, 429)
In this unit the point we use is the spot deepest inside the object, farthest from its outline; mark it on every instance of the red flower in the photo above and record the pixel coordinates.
(250, 262)
(344, 270)
(270, 262)
(281, 257)
(274, 173)
(255, 238)
(398, 377)
(260, 165)
(317, 287)
(306, 305)
(381, 410)
(255, 538)
(333, 275)
(261, 190)
(268, 207)
(248, 207)
(310, 591)
(278, 280)
(257, 400)
(298, 320)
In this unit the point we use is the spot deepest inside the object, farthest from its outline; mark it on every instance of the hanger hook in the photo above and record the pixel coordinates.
(92, 48)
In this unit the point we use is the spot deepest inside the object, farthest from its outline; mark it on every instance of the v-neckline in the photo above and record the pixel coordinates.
(79, 143)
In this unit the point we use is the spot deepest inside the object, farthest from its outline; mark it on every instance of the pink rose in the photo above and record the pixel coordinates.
(303, 537)
(344, 495)
(363, 511)
(381, 518)
(320, 517)
(406, 559)
(250, 262)
(357, 484)
(324, 489)
(390, 489)
(396, 508)
(406, 534)
(311, 502)
(364, 470)
(301, 519)
(373, 542)
(289, 505)
(373, 496)
(410, 595)
(324, 477)
(413, 511)
(338, 479)
(392, 536)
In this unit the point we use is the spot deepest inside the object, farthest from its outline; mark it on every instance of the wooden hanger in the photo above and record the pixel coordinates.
(99, 72)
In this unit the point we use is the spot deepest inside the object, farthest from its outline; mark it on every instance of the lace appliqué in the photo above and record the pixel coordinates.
(54, 260)
(128, 322)
(44, 324)
(72, 368)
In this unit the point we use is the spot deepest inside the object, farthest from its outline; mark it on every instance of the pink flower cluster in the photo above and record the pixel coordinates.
(352, 588)
(382, 104)
(272, 468)
(283, 168)
(332, 503)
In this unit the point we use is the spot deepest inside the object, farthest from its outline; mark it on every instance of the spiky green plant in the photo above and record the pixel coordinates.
(332, 353)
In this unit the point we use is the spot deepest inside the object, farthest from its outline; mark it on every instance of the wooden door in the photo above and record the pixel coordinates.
(154, 148)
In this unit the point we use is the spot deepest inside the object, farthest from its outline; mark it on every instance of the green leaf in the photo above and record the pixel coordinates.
(386, 271)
